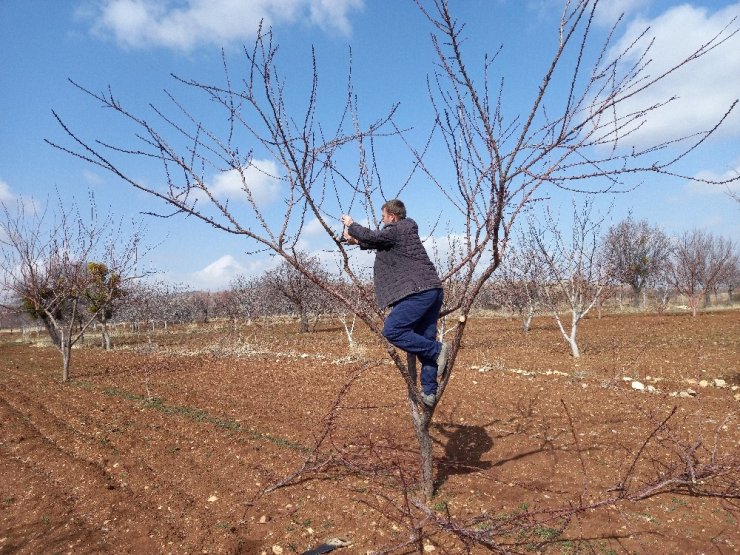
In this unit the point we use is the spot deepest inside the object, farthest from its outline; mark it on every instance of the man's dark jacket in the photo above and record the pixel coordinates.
(402, 265)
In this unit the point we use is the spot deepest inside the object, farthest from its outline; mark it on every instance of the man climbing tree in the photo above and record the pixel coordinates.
(407, 281)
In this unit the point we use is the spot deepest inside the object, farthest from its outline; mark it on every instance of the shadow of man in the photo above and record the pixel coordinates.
(464, 448)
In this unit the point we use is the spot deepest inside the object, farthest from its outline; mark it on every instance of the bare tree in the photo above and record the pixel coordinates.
(302, 294)
(250, 297)
(54, 269)
(199, 305)
(523, 279)
(699, 262)
(348, 317)
(730, 278)
(635, 253)
(152, 302)
(574, 266)
(663, 288)
(225, 305)
(499, 162)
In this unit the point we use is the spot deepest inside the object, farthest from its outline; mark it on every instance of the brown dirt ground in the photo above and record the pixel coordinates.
(166, 444)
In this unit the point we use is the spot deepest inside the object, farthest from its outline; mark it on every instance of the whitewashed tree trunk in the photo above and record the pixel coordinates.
(569, 336)
(65, 347)
(105, 337)
(528, 318)
(349, 329)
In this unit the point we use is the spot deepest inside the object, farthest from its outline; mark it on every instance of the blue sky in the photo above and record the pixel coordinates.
(134, 45)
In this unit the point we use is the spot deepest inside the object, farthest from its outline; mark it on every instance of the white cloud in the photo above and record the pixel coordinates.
(361, 261)
(260, 178)
(315, 229)
(608, 12)
(219, 271)
(333, 14)
(217, 274)
(705, 88)
(699, 188)
(184, 24)
(6, 195)
(445, 250)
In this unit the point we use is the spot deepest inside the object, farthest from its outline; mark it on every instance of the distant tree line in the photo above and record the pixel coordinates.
(570, 270)
(562, 270)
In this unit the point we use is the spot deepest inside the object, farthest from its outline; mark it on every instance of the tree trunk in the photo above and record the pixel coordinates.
(694, 303)
(575, 320)
(573, 344)
(528, 318)
(569, 338)
(51, 329)
(421, 426)
(66, 349)
(421, 419)
(349, 329)
(304, 321)
(105, 337)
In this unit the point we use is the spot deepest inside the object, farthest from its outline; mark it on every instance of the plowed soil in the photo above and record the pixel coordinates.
(168, 443)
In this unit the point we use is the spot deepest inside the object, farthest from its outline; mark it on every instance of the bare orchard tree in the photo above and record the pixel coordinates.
(523, 277)
(225, 305)
(348, 318)
(662, 288)
(700, 260)
(250, 297)
(493, 296)
(199, 306)
(635, 253)
(45, 264)
(302, 294)
(147, 304)
(730, 278)
(572, 260)
(498, 160)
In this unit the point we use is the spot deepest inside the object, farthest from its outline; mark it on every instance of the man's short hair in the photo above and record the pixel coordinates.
(395, 207)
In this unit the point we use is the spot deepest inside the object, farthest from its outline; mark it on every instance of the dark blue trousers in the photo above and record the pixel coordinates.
(412, 327)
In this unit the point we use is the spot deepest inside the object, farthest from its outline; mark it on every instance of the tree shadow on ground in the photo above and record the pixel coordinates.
(466, 444)
(464, 449)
